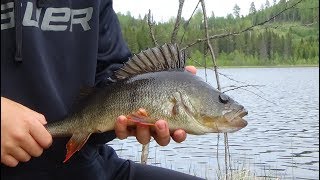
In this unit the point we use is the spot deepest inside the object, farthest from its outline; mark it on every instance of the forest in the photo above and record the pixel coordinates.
(290, 38)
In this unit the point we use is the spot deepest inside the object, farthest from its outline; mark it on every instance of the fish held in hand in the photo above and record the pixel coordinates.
(153, 85)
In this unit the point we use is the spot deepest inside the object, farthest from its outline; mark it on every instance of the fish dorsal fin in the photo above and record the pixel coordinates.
(164, 58)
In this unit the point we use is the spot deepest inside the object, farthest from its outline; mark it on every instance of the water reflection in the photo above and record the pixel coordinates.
(281, 139)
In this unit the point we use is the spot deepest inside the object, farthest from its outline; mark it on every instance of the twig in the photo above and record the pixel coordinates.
(209, 44)
(238, 87)
(187, 23)
(151, 31)
(145, 148)
(228, 77)
(197, 62)
(242, 31)
(258, 96)
(145, 153)
(216, 72)
(177, 24)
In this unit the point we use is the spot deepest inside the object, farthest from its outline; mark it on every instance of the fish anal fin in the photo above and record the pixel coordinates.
(140, 117)
(75, 143)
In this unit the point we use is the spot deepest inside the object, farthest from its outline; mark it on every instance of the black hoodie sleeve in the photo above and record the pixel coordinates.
(112, 49)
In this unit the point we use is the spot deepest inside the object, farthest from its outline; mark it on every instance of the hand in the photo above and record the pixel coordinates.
(143, 133)
(22, 133)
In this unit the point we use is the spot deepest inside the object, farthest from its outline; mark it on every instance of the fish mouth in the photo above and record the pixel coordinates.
(235, 120)
(234, 114)
(242, 113)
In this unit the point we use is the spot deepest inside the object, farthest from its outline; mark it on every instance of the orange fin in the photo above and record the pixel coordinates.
(75, 144)
(140, 117)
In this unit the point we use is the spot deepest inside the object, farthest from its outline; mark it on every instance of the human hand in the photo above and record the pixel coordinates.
(143, 133)
(22, 133)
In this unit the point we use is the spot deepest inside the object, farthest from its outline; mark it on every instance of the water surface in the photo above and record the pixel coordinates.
(280, 141)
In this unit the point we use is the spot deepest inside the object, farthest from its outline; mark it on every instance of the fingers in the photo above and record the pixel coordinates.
(179, 135)
(143, 134)
(40, 134)
(31, 146)
(191, 69)
(20, 155)
(22, 133)
(9, 160)
(42, 119)
(121, 127)
(162, 133)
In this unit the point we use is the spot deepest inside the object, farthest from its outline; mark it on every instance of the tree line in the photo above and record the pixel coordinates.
(292, 38)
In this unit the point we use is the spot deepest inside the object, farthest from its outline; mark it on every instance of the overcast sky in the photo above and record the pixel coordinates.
(162, 10)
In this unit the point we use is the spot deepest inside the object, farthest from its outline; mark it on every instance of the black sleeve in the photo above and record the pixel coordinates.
(112, 49)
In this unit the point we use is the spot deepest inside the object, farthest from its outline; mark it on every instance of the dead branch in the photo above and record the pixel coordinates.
(197, 62)
(145, 148)
(233, 87)
(151, 30)
(255, 86)
(258, 96)
(177, 24)
(205, 18)
(244, 30)
(209, 44)
(145, 153)
(187, 23)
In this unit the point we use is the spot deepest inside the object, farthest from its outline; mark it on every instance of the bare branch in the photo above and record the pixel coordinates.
(145, 153)
(238, 87)
(228, 77)
(209, 44)
(177, 24)
(244, 30)
(187, 23)
(145, 148)
(205, 18)
(258, 96)
(197, 62)
(151, 31)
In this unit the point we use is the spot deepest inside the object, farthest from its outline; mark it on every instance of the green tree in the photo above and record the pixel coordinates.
(236, 11)
(267, 4)
(252, 9)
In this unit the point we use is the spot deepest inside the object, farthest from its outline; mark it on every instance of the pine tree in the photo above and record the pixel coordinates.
(236, 11)
(252, 9)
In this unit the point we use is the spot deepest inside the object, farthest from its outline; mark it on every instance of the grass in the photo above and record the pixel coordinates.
(241, 170)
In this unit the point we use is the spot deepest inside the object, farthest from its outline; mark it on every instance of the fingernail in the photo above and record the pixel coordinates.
(162, 126)
(122, 121)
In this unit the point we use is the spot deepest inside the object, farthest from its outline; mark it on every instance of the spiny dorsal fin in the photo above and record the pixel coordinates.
(164, 58)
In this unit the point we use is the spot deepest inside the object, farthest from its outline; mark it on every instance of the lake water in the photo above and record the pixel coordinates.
(281, 140)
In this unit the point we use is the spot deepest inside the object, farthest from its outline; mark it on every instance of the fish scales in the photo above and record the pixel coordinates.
(156, 81)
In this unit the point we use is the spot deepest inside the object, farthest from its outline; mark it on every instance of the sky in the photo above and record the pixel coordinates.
(162, 10)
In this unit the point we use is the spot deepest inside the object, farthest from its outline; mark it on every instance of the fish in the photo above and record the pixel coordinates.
(152, 85)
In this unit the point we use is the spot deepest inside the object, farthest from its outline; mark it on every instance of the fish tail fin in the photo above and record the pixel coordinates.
(75, 143)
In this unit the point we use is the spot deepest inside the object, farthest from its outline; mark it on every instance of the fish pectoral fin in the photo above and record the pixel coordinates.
(75, 143)
(140, 117)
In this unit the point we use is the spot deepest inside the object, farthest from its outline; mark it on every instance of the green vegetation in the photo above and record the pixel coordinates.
(292, 38)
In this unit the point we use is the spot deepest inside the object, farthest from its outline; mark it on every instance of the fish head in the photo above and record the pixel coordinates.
(219, 112)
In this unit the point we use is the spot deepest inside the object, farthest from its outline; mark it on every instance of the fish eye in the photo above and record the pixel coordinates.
(223, 98)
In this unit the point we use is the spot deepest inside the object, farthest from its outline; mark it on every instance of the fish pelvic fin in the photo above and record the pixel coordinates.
(164, 58)
(75, 143)
(140, 117)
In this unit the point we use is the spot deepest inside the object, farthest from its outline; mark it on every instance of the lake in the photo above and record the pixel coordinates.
(280, 141)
